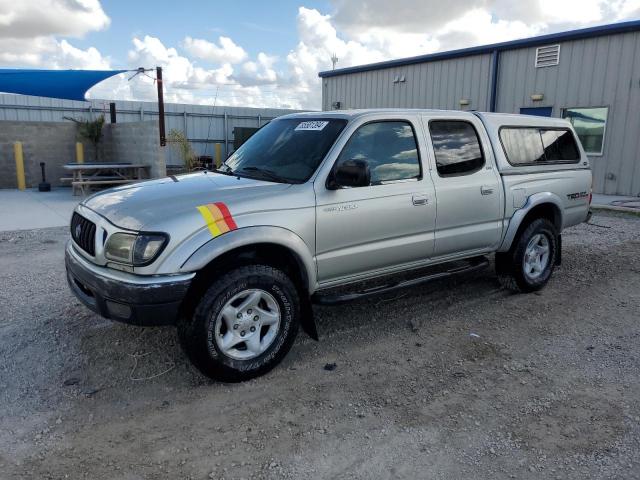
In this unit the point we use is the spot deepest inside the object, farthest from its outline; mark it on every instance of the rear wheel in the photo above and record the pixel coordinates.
(244, 324)
(528, 265)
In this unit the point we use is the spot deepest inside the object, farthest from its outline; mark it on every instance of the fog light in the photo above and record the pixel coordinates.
(118, 310)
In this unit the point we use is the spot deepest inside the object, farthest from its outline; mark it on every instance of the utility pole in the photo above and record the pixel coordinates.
(163, 138)
(334, 60)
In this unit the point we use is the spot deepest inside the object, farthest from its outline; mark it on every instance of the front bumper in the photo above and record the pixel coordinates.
(135, 299)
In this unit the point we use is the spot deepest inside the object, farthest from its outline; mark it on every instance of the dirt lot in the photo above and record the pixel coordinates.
(458, 379)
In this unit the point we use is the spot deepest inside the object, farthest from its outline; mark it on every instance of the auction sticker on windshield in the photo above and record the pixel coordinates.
(315, 125)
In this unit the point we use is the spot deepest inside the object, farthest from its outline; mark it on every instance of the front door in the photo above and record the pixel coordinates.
(468, 187)
(387, 224)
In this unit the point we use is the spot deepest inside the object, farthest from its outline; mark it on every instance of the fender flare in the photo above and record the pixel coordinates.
(518, 216)
(247, 236)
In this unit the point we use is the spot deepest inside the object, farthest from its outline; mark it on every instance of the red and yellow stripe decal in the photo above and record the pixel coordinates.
(218, 218)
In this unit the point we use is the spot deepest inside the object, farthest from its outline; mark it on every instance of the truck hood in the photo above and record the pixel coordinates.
(144, 205)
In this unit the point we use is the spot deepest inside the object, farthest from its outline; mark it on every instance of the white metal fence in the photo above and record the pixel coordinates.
(203, 125)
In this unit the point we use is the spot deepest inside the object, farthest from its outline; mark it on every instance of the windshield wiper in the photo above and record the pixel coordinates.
(228, 171)
(267, 174)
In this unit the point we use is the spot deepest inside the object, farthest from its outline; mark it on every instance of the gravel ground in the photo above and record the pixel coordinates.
(458, 379)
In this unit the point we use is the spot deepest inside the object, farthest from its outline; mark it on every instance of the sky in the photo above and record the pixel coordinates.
(265, 54)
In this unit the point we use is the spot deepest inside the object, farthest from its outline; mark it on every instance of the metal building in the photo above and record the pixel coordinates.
(590, 76)
(203, 125)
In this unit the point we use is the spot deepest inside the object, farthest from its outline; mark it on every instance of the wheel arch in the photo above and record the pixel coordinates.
(273, 243)
(540, 205)
(273, 246)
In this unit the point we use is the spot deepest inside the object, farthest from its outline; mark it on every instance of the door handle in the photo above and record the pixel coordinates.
(420, 199)
(484, 190)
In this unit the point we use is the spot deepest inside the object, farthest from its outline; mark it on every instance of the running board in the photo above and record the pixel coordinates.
(455, 268)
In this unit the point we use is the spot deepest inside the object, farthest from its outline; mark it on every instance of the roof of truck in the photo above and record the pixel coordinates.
(513, 119)
(354, 113)
(494, 119)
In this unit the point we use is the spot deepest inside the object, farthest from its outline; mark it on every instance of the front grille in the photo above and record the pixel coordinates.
(83, 232)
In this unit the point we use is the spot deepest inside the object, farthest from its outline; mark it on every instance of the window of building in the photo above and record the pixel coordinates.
(456, 146)
(590, 125)
(529, 146)
(390, 148)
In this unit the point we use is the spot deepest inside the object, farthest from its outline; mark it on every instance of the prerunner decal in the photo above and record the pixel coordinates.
(218, 218)
(315, 125)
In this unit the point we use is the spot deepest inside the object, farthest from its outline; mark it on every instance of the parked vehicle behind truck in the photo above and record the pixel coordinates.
(327, 208)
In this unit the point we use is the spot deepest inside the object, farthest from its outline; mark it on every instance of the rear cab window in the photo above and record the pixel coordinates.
(456, 146)
(539, 145)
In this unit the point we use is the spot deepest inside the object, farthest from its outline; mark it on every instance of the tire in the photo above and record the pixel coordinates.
(514, 267)
(204, 336)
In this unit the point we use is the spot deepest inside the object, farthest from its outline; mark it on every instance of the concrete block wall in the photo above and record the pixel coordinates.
(49, 142)
(138, 142)
(54, 143)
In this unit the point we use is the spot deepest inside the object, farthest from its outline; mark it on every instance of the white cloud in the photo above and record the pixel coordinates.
(28, 31)
(226, 52)
(39, 33)
(260, 72)
(38, 18)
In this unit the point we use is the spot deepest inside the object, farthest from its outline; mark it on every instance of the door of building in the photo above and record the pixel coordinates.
(538, 111)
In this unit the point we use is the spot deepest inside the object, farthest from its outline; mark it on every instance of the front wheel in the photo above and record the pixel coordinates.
(528, 265)
(244, 324)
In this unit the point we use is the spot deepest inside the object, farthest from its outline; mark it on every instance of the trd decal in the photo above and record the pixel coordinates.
(575, 196)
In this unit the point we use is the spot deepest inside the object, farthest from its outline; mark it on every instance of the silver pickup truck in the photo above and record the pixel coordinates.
(327, 208)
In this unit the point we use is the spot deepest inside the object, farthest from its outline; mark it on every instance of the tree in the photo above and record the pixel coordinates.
(90, 130)
(178, 140)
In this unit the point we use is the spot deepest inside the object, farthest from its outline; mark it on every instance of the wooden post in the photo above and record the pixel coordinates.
(163, 138)
(17, 151)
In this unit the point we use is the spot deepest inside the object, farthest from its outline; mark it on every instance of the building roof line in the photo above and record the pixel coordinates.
(590, 32)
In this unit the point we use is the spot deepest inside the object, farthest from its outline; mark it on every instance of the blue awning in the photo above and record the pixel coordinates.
(65, 84)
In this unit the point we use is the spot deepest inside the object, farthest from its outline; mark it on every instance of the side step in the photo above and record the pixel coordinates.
(333, 297)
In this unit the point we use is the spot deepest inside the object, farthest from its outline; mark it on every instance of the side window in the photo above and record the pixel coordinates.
(530, 145)
(456, 146)
(522, 145)
(559, 146)
(390, 148)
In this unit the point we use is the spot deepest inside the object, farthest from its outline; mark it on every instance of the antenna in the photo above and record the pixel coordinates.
(334, 60)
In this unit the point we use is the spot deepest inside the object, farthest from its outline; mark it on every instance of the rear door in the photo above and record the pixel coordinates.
(468, 186)
(389, 223)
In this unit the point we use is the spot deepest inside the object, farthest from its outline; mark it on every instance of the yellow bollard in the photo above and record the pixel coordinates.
(79, 152)
(17, 151)
(218, 159)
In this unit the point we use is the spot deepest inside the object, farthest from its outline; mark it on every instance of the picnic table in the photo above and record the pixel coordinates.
(87, 175)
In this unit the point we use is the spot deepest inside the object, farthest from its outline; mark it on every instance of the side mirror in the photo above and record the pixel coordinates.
(351, 173)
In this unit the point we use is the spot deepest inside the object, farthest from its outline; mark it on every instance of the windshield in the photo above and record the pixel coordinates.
(287, 150)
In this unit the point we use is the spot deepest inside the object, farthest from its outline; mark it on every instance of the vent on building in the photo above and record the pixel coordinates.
(547, 56)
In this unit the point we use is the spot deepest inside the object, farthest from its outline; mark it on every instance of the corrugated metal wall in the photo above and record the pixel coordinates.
(602, 71)
(427, 85)
(594, 72)
(204, 126)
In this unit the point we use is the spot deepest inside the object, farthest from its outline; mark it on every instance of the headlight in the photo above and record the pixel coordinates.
(134, 249)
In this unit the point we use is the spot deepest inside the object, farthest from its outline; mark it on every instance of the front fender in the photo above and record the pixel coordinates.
(243, 237)
(519, 215)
